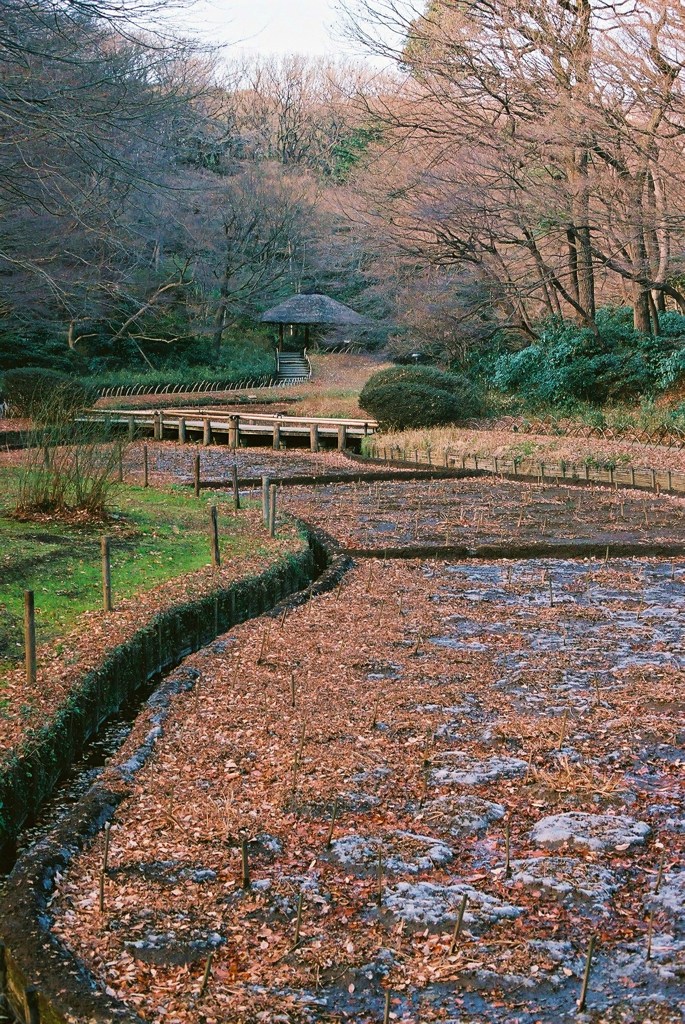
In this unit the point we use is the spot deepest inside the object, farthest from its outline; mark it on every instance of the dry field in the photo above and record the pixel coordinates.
(391, 515)
(502, 737)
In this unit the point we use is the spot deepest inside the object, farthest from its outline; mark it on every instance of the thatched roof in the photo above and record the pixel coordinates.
(313, 309)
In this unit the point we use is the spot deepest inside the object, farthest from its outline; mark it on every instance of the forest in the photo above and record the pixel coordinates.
(499, 191)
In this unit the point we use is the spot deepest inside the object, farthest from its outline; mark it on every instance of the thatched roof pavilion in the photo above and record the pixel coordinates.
(311, 311)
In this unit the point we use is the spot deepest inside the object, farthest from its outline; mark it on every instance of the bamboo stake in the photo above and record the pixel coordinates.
(205, 976)
(586, 975)
(458, 924)
(649, 935)
(379, 879)
(329, 837)
(298, 921)
(103, 870)
(245, 865)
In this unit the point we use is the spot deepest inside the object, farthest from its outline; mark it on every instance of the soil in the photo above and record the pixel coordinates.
(388, 752)
(471, 512)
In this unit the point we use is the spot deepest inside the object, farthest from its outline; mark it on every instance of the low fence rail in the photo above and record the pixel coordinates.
(204, 386)
(619, 475)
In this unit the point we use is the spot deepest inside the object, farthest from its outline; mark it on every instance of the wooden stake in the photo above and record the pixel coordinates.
(205, 976)
(265, 500)
(586, 975)
(236, 492)
(146, 467)
(292, 689)
(562, 736)
(30, 637)
(262, 649)
(386, 1010)
(245, 865)
(334, 814)
(272, 510)
(298, 920)
(458, 924)
(214, 536)
(660, 873)
(196, 473)
(650, 930)
(507, 850)
(106, 574)
(379, 879)
(103, 870)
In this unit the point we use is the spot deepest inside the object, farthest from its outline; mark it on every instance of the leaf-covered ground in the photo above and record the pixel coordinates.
(374, 750)
(470, 512)
(507, 443)
(156, 563)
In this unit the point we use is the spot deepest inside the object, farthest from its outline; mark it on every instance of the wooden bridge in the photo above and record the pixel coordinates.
(234, 429)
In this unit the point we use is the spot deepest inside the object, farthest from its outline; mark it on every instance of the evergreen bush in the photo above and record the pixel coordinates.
(419, 396)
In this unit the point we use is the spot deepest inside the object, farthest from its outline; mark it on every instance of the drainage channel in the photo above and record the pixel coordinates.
(52, 823)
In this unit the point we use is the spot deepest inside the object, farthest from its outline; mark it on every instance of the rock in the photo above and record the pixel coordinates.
(463, 815)
(467, 772)
(401, 851)
(590, 831)
(424, 904)
(565, 877)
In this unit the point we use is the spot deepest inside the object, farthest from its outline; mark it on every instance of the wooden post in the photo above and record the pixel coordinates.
(654, 480)
(206, 431)
(106, 574)
(314, 438)
(234, 482)
(182, 430)
(214, 536)
(342, 437)
(276, 443)
(265, 500)
(234, 431)
(131, 428)
(632, 476)
(155, 426)
(120, 465)
(272, 510)
(196, 473)
(146, 467)
(30, 636)
(670, 480)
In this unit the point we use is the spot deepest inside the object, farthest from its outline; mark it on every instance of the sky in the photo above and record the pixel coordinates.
(272, 26)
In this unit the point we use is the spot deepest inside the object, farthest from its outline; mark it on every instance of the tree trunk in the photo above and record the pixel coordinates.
(581, 214)
(220, 319)
(642, 320)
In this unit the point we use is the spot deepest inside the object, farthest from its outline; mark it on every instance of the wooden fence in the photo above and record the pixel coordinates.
(643, 478)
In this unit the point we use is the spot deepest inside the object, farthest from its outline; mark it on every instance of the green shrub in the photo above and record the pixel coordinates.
(44, 395)
(419, 396)
(569, 364)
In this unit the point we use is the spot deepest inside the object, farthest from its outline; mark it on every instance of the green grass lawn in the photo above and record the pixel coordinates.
(156, 535)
